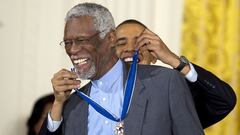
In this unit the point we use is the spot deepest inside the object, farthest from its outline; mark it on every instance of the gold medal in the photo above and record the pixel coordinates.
(119, 130)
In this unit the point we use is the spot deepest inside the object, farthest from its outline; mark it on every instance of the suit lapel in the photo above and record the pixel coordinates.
(78, 119)
(87, 89)
(134, 120)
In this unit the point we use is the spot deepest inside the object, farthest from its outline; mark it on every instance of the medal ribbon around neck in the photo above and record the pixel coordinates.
(127, 95)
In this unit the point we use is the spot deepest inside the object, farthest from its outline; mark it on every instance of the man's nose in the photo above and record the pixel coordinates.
(130, 46)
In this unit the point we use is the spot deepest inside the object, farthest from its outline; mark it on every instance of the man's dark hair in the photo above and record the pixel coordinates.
(131, 21)
(37, 112)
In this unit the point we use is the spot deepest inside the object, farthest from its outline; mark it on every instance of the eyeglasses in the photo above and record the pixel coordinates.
(79, 41)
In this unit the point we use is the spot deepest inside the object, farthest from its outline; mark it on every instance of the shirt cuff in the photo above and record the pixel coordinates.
(53, 125)
(192, 74)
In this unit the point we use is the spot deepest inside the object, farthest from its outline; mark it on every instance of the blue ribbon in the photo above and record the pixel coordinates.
(127, 96)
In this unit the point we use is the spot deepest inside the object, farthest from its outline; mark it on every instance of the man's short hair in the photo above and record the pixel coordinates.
(131, 21)
(102, 18)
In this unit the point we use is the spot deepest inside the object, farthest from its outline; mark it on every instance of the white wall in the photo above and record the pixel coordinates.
(30, 31)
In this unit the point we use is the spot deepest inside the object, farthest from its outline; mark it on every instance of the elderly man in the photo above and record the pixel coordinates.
(155, 101)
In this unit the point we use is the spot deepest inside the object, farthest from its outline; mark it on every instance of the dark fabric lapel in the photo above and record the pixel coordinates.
(134, 120)
(86, 90)
(77, 114)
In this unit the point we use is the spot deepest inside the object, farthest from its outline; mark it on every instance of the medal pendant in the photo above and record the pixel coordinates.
(119, 128)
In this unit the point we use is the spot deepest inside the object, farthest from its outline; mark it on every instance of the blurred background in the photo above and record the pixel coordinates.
(207, 32)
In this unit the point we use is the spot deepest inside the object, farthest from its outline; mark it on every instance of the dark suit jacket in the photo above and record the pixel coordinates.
(213, 98)
(161, 104)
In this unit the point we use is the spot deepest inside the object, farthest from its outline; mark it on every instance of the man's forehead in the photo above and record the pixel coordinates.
(80, 21)
(80, 25)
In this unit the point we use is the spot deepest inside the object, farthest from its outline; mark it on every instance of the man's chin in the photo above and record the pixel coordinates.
(87, 74)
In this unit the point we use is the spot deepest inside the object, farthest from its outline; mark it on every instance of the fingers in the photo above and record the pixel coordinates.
(153, 43)
(64, 80)
(147, 37)
(65, 88)
(64, 74)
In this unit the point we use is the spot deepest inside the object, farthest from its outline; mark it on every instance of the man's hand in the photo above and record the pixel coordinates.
(63, 82)
(150, 41)
(153, 43)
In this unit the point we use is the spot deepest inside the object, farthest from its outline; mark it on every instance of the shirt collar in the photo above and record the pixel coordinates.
(107, 80)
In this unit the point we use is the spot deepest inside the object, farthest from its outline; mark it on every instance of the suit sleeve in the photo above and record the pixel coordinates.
(213, 98)
(182, 110)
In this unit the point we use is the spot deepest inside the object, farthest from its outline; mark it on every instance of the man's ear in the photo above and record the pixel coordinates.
(154, 60)
(112, 38)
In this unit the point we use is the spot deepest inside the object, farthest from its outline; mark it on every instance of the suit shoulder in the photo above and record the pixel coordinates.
(152, 70)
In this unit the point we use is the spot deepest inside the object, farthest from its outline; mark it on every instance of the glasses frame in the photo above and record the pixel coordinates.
(79, 41)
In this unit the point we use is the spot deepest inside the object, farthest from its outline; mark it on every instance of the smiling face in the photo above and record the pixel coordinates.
(127, 35)
(91, 56)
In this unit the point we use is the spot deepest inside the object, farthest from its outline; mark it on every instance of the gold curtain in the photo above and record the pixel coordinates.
(211, 39)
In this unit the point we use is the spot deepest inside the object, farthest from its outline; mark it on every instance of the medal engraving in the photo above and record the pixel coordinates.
(119, 129)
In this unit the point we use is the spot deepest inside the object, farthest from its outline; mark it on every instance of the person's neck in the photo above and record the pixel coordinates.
(107, 66)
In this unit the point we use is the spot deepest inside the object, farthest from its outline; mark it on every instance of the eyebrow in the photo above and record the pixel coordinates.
(77, 37)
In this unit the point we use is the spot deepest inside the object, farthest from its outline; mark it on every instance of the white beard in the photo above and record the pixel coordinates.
(87, 75)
